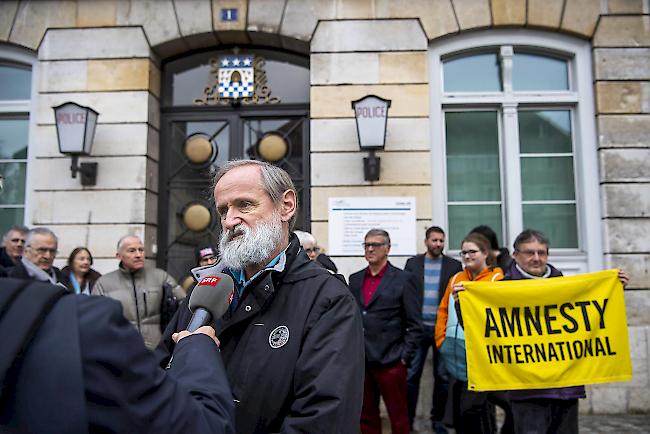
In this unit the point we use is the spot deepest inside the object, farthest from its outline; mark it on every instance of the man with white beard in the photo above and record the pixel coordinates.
(292, 339)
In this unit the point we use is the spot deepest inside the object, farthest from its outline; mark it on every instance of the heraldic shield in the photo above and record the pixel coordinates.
(236, 77)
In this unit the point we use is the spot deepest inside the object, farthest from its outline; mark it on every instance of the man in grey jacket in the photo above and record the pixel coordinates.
(140, 289)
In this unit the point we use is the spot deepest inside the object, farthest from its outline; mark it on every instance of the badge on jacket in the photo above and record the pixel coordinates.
(279, 336)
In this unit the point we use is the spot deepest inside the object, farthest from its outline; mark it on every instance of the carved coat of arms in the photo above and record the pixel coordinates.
(237, 79)
(236, 76)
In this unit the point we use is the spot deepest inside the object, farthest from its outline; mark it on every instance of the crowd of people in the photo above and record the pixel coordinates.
(303, 349)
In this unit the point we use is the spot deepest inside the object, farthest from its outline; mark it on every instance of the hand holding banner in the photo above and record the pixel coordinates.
(543, 333)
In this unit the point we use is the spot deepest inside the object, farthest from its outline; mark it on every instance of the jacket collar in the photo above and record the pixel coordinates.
(128, 272)
(487, 271)
(515, 272)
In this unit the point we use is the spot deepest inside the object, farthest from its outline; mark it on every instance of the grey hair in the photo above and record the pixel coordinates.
(39, 231)
(378, 232)
(305, 237)
(275, 181)
(15, 228)
(529, 235)
(124, 237)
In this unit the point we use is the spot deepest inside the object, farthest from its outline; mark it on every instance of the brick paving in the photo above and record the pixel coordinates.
(589, 424)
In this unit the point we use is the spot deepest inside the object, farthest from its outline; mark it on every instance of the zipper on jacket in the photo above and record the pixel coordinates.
(144, 297)
(137, 307)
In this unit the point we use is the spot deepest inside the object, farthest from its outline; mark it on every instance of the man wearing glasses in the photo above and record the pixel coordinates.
(391, 308)
(36, 263)
(542, 410)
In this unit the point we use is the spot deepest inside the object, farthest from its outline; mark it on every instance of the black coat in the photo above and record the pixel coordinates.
(449, 267)
(5, 260)
(392, 320)
(327, 262)
(313, 383)
(20, 272)
(87, 370)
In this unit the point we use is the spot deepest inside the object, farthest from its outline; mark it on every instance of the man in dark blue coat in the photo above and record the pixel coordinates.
(37, 262)
(292, 339)
(391, 308)
(433, 270)
(86, 369)
(13, 244)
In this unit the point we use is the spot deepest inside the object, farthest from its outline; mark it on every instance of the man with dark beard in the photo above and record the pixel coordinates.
(433, 269)
(292, 340)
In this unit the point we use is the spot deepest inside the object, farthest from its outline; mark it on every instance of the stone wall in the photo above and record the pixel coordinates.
(621, 53)
(107, 54)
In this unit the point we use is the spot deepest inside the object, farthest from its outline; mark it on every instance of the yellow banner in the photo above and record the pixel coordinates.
(542, 333)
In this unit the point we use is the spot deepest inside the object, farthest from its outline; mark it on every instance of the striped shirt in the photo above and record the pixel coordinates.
(431, 300)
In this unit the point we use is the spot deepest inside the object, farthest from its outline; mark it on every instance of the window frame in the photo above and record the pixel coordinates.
(23, 58)
(579, 99)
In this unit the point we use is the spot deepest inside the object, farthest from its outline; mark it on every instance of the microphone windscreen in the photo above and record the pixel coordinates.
(213, 293)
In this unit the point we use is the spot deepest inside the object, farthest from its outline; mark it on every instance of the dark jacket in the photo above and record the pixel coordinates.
(392, 320)
(91, 277)
(513, 273)
(5, 260)
(504, 260)
(20, 272)
(327, 262)
(313, 383)
(87, 370)
(449, 267)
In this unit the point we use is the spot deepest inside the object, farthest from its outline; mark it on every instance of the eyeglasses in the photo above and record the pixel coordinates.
(373, 245)
(314, 250)
(531, 253)
(464, 253)
(44, 250)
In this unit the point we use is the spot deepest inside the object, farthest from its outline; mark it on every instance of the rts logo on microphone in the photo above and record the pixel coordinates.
(209, 281)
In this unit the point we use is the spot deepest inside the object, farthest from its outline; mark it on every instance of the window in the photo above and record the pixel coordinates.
(513, 130)
(15, 94)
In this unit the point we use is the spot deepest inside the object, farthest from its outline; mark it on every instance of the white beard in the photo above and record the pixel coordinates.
(254, 246)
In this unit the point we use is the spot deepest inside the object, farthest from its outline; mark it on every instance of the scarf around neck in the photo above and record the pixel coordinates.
(38, 274)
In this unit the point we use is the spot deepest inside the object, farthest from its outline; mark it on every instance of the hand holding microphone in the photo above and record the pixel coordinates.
(206, 330)
(209, 300)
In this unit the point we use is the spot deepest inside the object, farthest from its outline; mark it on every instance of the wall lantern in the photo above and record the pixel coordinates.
(371, 114)
(75, 129)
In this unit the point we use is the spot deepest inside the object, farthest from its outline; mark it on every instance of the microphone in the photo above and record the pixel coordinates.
(210, 299)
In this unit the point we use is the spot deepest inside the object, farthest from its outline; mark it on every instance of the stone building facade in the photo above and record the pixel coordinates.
(112, 55)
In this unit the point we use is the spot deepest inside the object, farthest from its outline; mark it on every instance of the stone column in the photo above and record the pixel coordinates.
(622, 70)
(112, 71)
(351, 59)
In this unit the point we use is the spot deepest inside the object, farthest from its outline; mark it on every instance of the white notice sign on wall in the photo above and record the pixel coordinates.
(351, 217)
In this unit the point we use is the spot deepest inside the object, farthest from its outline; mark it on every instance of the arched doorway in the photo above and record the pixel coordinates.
(211, 113)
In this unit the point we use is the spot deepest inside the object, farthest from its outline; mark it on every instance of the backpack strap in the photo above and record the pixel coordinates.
(24, 304)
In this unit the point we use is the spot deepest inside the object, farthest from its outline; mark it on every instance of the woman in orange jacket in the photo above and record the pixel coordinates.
(470, 411)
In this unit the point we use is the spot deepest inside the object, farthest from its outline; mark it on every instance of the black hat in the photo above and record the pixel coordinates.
(204, 250)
